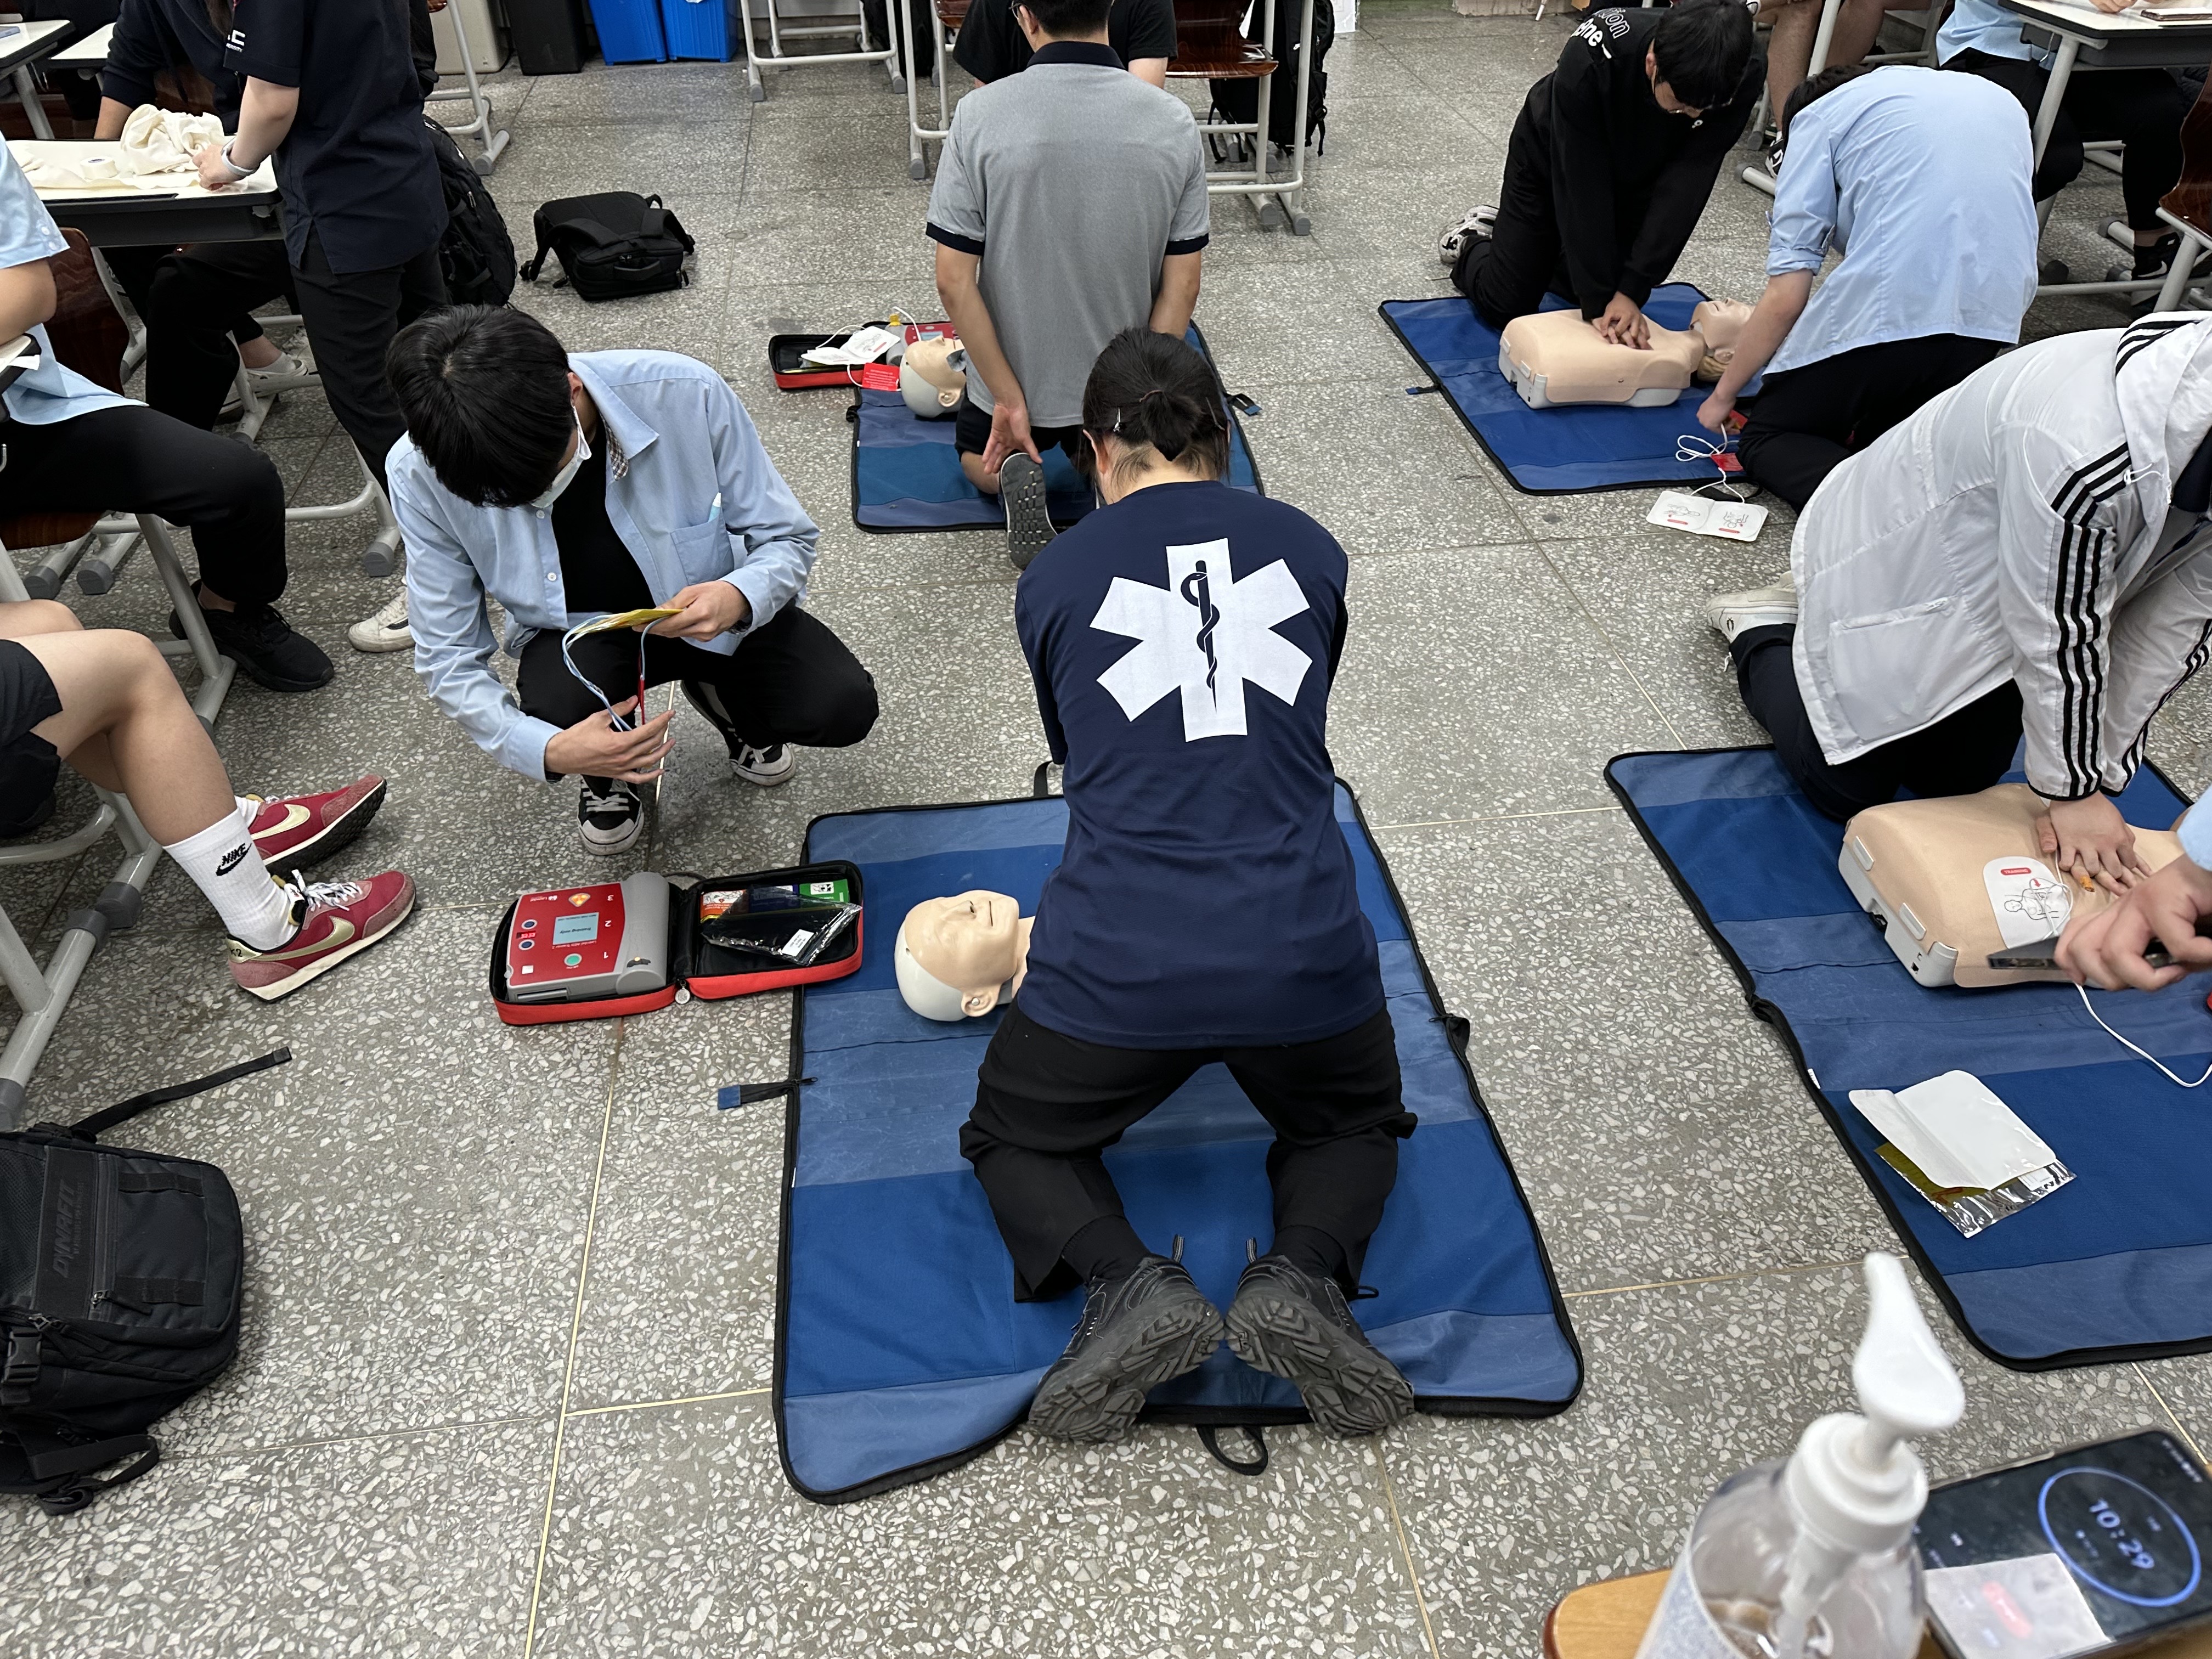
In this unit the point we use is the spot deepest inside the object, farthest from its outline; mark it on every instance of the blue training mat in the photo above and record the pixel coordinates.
(2118, 1264)
(907, 475)
(900, 1351)
(1554, 452)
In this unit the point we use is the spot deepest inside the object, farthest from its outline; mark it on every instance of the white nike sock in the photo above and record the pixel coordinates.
(223, 864)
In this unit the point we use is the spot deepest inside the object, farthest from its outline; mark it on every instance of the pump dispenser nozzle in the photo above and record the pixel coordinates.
(1905, 1386)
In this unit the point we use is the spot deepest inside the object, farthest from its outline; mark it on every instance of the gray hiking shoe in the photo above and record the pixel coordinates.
(1287, 1323)
(1134, 1334)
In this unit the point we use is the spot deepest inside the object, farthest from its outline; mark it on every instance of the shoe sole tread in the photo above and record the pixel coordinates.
(1350, 1389)
(1101, 1402)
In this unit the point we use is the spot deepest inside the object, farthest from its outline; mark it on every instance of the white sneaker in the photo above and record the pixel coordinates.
(1754, 607)
(610, 823)
(766, 767)
(387, 631)
(291, 368)
(1480, 222)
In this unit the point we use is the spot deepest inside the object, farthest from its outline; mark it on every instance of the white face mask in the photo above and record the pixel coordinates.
(562, 479)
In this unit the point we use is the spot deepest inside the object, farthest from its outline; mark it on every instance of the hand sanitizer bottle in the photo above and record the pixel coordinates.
(1813, 1558)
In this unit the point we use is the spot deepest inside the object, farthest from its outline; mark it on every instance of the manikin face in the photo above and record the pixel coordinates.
(971, 941)
(1665, 93)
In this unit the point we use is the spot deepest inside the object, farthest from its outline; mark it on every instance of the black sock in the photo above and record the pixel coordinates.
(1313, 1251)
(1107, 1248)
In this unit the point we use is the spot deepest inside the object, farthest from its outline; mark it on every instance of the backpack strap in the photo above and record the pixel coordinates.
(91, 1129)
(59, 1470)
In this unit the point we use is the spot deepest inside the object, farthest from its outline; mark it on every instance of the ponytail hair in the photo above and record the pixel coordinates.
(1154, 392)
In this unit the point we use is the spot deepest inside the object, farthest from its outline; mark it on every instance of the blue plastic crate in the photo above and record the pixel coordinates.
(703, 28)
(630, 30)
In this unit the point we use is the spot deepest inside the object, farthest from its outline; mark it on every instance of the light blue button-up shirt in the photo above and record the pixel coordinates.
(1919, 177)
(1984, 26)
(27, 233)
(697, 500)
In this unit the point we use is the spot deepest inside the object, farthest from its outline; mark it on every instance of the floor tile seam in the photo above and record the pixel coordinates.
(2171, 1415)
(671, 1402)
(368, 1437)
(1777, 1271)
(1618, 656)
(576, 1335)
(1518, 544)
(1406, 1552)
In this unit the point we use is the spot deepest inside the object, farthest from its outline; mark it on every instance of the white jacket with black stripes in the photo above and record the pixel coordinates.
(2017, 528)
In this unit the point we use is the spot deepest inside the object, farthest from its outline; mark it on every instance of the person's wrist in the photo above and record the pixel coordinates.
(238, 169)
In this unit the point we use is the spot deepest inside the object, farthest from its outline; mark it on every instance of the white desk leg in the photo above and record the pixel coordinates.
(1822, 38)
(27, 88)
(2062, 70)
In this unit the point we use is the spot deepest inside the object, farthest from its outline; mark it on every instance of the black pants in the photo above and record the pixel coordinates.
(1047, 1105)
(1508, 274)
(350, 321)
(1961, 754)
(792, 681)
(2143, 107)
(1806, 420)
(130, 458)
(134, 269)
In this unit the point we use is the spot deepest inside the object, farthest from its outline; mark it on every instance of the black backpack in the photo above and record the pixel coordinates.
(1239, 100)
(476, 254)
(119, 1297)
(613, 246)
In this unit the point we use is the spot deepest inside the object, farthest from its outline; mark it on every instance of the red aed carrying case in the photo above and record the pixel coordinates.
(786, 353)
(697, 966)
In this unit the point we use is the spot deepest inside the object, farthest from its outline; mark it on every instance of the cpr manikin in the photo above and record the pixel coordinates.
(960, 957)
(933, 376)
(1555, 357)
(1954, 877)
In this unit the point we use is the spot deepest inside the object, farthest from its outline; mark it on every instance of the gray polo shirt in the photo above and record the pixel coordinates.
(1072, 179)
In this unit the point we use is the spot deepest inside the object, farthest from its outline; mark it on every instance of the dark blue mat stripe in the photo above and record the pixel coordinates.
(900, 1349)
(2116, 1266)
(1551, 451)
(907, 475)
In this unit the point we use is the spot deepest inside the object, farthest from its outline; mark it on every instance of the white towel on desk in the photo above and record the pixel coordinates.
(164, 140)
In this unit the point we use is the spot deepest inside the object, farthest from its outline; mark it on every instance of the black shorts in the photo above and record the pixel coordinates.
(28, 763)
(971, 432)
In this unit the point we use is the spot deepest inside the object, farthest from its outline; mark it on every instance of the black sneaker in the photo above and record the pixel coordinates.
(1134, 1334)
(264, 647)
(1028, 520)
(610, 816)
(1289, 1323)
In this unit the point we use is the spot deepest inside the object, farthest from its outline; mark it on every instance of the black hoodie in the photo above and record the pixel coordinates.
(1628, 180)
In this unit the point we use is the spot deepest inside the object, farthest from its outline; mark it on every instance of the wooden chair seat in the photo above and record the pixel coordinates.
(2190, 200)
(45, 529)
(951, 14)
(1210, 42)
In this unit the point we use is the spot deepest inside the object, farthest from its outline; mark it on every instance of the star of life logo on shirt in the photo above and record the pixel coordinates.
(1204, 634)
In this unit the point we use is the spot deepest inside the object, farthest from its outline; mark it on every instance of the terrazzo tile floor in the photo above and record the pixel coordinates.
(505, 1386)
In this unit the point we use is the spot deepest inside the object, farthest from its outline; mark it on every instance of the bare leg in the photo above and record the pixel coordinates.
(125, 724)
(1790, 52)
(985, 481)
(258, 352)
(1858, 25)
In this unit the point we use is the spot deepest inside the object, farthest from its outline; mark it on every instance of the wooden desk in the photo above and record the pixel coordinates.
(1606, 1621)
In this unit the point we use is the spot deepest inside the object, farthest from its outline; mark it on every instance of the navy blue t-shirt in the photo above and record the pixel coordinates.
(1183, 642)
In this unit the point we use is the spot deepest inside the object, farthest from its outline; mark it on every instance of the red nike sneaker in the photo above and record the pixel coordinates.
(336, 919)
(300, 830)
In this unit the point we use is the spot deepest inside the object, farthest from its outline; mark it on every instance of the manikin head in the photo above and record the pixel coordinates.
(957, 956)
(933, 376)
(1696, 58)
(1040, 21)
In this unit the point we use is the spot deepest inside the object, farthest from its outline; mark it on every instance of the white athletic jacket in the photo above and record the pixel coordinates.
(2017, 528)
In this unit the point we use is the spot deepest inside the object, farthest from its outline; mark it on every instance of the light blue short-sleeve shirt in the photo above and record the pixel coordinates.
(49, 392)
(1984, 26)
(1920, 178)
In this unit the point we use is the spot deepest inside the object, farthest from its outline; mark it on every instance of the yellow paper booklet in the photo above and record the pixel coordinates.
(624, 619)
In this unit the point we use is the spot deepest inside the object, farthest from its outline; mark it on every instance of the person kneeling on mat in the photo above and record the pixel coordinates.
(2027, 553)
(1609, 165)
(1182, 639)
(572, 487)
(105, 702)
(1923, 298)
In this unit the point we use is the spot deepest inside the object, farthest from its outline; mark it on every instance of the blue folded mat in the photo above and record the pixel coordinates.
(900, 1351)
(2118, 1264)
(1552, 452)
(907, 475)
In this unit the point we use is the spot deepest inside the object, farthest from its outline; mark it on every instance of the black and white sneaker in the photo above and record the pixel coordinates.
(610, 817)
(266, 648)
(1479, 222)
(766, 767)
(1134, 1334)
(1291, 1324)
(1028, 520)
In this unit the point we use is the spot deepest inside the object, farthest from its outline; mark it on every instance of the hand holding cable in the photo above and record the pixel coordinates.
(2107, 949)
(596, 746)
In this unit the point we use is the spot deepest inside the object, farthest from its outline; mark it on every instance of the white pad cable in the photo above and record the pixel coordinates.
(2083, 991)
